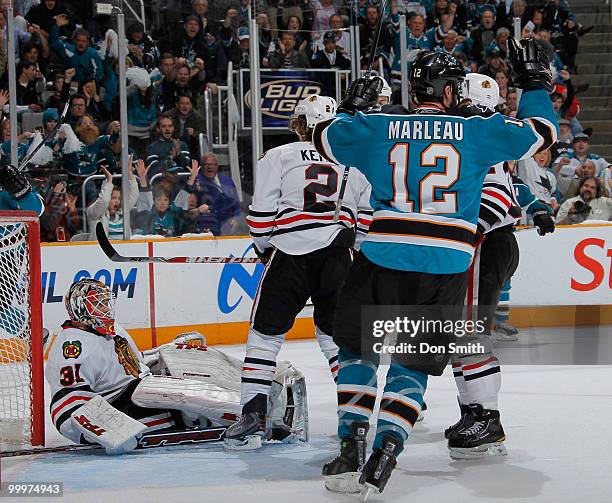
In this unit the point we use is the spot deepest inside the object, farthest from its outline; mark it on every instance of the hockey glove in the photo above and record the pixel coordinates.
(529, 65)
(264, 255)
(361, 95)
(544, 222)
(14, 182)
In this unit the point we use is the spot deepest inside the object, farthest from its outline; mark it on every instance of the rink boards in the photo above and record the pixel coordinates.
(563, 279)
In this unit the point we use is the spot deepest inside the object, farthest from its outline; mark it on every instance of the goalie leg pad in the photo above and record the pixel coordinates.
(100, 423)
(287, 420)
(195, 398)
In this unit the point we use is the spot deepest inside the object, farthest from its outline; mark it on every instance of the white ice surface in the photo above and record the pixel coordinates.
(557, 420)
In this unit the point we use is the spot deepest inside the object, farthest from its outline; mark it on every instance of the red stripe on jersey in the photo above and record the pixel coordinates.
(295, 218)
(334, 368)
(253, 223)
(497, 196)
(68, 402)
(363, 221)
(249, 368)
(481, 364)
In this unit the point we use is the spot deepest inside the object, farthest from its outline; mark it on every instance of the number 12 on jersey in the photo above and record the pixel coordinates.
(399, 158)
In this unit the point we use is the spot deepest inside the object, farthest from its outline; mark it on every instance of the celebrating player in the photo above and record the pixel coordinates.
(16, 192)
(479, 432)
(427, 170)
(104, 392)
(307, 251)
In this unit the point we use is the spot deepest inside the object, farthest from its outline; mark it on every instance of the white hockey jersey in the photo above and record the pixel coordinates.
(82, 365)
(498, 199)
(295, 197)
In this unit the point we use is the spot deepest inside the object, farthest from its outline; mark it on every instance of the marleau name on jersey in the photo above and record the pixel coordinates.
(425, 130)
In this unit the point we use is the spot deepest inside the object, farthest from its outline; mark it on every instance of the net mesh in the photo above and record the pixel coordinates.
(15, 335)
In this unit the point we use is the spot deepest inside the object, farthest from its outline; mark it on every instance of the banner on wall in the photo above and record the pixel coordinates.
(281, 90)
(573, 266)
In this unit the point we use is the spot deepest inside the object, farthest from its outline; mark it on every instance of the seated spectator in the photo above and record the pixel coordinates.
(207, 25)
(302, 38)
(286, 56)
(215, 62)
(511, 105)
(26, 87)
(21, 36)
(60, 220)
(107, 208)
(564, 138)
(589, 204)
(30, 53)
(494, 63)
(157, 215)
(568, 162)
(330, 56)
(535, 172)
(84, 59)
(44, 14)
(167, 153)
(571, 185)
(502, 78)
(188, 123)
(451, 45)
(215, 190)
(343, 38)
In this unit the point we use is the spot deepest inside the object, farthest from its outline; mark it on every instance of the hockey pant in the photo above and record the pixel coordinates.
(286, 284)
(478, 375)
(402, 399)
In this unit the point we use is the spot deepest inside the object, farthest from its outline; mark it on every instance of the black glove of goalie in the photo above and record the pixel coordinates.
(14, 182)
(544, 222)
(361, 95)
(529, 64)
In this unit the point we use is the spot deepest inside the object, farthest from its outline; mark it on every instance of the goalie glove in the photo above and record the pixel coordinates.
(362, 94)
(529, 64)
(544, 222)
(14, 182)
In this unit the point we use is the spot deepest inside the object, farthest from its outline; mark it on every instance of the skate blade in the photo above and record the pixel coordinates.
(343, 482)
(483, 451)
(506, 338)
(367, 491)
(248, 443)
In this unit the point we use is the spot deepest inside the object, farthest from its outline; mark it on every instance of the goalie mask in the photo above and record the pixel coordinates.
(310, 111)
(91, 303)
(481, 90)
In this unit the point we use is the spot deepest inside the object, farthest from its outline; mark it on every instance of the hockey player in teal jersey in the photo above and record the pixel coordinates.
(426, 170)
(16, 192)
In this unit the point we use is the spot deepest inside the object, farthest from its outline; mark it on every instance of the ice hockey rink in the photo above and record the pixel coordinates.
(556, 417)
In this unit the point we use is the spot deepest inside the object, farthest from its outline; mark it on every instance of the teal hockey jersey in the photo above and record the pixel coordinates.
(427, 171)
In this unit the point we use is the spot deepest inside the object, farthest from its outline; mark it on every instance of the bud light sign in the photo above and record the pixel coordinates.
(282, 90)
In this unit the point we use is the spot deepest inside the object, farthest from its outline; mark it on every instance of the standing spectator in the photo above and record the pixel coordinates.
(322, 10)
(141, 48)
(107, 208)
(589, 204)
(94, 106)
(302, 38)
(207, 25)
(239, 52)
(494, 64)
(142, 108)
(77, 109)
(535, 172)
(44, 14)
(85, 60)
(215, 62)
(331, 56)
(502, 78)
(286, 56)
(26, 87)
(60, 220)
(188, 123)
(367, 34)
(185, 82)
(216, 191)
(167, 153)
(21, 36)
(484, 34)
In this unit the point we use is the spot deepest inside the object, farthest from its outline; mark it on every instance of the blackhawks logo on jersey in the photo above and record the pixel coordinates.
(126, 356)
(71, 349)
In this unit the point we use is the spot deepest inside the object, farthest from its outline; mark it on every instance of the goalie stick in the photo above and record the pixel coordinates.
(48, 137)
(145, 441)
(368, 72)
(112, 254)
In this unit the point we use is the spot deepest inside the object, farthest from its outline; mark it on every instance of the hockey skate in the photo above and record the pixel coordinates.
(465, 421)
(485, 437)
(506, 332)
(249, 431)
(377, 470)
(342, 474)
(421, 414)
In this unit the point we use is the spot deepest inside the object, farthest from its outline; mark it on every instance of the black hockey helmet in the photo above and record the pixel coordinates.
(431, 72)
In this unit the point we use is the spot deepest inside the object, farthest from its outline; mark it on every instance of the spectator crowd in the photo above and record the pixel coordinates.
(66, 56)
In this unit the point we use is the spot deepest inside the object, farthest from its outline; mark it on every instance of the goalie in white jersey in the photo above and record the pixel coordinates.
(103, 391)
(307, 251)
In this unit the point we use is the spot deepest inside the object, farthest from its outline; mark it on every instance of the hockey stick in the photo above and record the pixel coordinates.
(368, 72)
(112, 254)
(48, 137)
(145, 441)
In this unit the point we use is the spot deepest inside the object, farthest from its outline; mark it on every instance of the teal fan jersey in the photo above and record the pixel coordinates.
(427, 171)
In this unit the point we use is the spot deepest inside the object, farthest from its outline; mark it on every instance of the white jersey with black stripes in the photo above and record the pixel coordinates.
(295, 196)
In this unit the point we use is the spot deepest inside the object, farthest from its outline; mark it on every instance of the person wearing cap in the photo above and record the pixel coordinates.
(330, 56)
(569, 163)
(494, 64)
(49, 119)
(238, 49)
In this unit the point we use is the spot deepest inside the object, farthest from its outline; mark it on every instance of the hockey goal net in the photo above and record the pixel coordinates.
(21, 347)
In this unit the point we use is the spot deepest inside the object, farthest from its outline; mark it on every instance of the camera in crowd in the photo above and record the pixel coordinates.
(581, 208)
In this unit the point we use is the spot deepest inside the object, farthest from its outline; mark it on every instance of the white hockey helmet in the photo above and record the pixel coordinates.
(385, 92)
(91, 303)
(315, 108)
(481, 90)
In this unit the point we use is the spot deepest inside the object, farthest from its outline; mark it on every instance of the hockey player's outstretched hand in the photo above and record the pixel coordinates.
(544, 222)
(529, 64)
(361, 95)
(13, 181)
